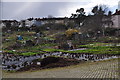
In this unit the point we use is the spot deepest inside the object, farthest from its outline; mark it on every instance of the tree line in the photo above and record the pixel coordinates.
(98, 22)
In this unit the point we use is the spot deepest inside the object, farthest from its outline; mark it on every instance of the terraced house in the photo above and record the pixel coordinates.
(41, 21)
(116, 19)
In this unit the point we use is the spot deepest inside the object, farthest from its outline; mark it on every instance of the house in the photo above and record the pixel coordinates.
(113, 21)
(116, 19)
(2, 24)
(14, 23)
(9, 23)
(58, 20)
(36, 22)
(28, 23)
(31, 21)
(41, 21)
(22, 23)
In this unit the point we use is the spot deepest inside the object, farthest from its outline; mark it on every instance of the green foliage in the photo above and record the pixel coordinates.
(25, 53)
(79, 16)
(95, 48)
(99, 48)
(30, 53)
(55, 50)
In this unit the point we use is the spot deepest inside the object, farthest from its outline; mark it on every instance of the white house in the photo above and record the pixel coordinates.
(29, 23)
(2, 25)
(16, 24)
(36, 22)
(116, 21)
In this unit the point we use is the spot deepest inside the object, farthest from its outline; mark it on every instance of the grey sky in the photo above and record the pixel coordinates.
(23, 10)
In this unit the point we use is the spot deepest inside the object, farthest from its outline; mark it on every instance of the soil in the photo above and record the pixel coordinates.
(50, 62)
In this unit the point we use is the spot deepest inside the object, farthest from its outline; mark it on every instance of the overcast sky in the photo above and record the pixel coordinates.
(23, 9)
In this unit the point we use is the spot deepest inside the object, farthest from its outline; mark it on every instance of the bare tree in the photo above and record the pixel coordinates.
(96, 23)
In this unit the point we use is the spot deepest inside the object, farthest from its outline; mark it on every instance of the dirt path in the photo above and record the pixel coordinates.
(101, 69)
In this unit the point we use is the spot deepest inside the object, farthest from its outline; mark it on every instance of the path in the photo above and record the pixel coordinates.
(100, 69)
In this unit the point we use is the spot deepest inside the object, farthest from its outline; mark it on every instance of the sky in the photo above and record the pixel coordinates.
(23, 9)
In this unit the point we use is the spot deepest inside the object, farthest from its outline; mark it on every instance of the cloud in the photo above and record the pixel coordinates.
(44, 0)
(111, 4)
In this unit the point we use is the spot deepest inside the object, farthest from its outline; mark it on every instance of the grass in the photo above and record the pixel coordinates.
(95, 48)
(48, 45)
(95, 44)
(54, 50)
(36, 48)
(24, 53)
(30, 53)
(98, 48)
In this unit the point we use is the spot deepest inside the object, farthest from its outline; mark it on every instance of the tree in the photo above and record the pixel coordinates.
(94, 10)
(80, 11)
(96, 22)
(110, 13)
(100, 10)
(79, 16)
(73, 15)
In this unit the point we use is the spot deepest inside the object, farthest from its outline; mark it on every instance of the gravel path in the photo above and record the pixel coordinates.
(101, 69)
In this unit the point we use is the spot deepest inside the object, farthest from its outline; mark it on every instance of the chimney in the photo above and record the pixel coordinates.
(116, 10)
